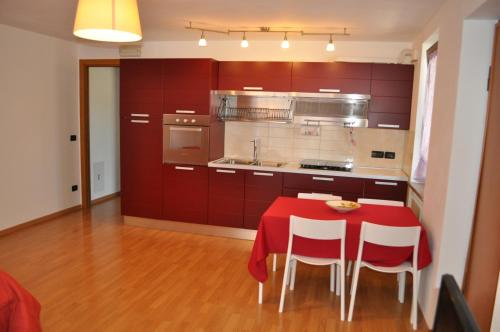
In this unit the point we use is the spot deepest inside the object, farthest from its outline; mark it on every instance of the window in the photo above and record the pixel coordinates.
(423, 151)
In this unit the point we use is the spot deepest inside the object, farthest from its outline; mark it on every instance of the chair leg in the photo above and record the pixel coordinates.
(274, 262)
(338, 281)
(414, 303)
(354, 286)
(349, 267)
(261, 286)
(293, 268)
(401, 286)
(332, 278)
(342, 291)
(283, 286)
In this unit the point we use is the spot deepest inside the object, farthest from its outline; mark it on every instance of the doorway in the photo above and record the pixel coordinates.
(99, 130)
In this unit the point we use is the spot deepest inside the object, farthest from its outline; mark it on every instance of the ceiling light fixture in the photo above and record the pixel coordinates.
(202, 42)
(330, 47)
(285, 43)
(244, 41)
(108, 20)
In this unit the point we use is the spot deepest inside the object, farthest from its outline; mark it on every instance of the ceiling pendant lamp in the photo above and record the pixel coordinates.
(330, 47)
(285, 43)
(108, 20)
(203, 41)
(244, 41)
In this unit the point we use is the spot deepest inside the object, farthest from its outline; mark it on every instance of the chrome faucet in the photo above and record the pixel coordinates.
(255, 156)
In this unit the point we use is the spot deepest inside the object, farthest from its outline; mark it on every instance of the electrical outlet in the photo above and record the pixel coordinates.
(72, 138)
(74, 187)
(389, 155)
(377, 154)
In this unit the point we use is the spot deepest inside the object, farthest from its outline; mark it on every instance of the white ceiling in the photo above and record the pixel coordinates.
(368, 20)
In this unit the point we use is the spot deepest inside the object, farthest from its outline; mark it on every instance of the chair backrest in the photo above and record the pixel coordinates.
(390, 236)
(380, 202)
(323, 197)
(317, 229)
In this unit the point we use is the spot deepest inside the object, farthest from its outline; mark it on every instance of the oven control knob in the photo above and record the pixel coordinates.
(193, 120)
(185, 120)
(177, 120)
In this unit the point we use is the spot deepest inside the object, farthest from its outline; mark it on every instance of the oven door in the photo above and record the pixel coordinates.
(185, 144)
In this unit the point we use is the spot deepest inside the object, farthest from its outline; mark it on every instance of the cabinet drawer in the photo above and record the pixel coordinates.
(392, 88)
(263, 186)
(388, 120)
(321, 183)
(227, 183)
(399, 105)
(392, 72)
(337, 85)
(386, 189)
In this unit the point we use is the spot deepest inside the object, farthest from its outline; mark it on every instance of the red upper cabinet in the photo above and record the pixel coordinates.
(255, 75)
(392, 72)
(187, 84)
(338, 77)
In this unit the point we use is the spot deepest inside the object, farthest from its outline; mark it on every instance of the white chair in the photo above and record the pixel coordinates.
(323, 197)
(392, 237)
(316, 230)
(318, 196)
(380, 202)
(373, 202)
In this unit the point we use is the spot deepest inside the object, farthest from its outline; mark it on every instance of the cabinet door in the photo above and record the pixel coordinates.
(185, 193)
(388, 120)
(141, 82)
(392, 72)
(141, 164)
(392, 88)
(386, 189)
(254, 75)
(331, 85)
(226, 197)
(261, 189)
(323, 184)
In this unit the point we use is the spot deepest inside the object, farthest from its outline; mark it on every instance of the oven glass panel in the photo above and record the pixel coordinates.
(186, 138)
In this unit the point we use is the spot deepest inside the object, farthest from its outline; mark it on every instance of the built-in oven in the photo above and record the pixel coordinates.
(186, 139)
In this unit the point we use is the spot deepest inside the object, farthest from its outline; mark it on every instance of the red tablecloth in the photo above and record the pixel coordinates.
(19, 310)
(272, 235)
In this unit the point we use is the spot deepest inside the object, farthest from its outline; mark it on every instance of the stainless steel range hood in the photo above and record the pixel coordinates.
(347, 110)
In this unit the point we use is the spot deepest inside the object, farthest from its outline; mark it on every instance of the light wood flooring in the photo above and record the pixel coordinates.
(92, 273)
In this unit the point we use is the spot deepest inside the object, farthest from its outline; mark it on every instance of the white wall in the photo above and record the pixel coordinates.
(38, 112)
(104, 128)
(464, 54)
(262, 51)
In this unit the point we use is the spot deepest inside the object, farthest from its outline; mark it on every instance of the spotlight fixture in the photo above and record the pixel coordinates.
(202, 42)
(285, 43)
(330, 47)
(244, 41)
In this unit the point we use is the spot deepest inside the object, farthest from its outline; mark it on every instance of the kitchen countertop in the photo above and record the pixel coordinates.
(357, 172)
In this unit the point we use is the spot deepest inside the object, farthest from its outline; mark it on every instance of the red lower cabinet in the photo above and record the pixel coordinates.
(386, 189)
(261, 189)
(185, 193)
(226, 197)
(347, 187)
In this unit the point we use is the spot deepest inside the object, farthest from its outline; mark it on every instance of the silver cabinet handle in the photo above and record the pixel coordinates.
(253, 88)
(385, 125)
(228, 171)
(318, 178)
(185, 111)
(139, 121)
(198, 129)
(384, 183)
(140, 115)
(329, 90)
(262, 174)
(182, 168)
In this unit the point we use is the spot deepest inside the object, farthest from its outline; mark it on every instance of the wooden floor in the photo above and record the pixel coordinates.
(92, 273)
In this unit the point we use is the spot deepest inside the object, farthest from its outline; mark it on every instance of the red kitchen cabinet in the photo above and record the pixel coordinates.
(392, 88)
(392, 72)
(347, 187)
(255, 75)
(141, 165)
(386, 189)
(389, 120)
(187, 84)
(226, 197)
(141, 84)
(261, 189)
(185, 193)
(337, 77)
(399, 105)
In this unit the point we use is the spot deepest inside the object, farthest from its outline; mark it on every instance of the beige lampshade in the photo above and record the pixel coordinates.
(108, 20)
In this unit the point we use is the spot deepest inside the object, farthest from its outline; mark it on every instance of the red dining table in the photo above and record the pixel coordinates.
(272, 235)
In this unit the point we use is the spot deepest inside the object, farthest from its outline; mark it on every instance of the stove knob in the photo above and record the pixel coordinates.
(185, 120)
(193, 120)
(177, 120)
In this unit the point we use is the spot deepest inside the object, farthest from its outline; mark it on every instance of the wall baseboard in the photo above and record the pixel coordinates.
(40, 220)
(104, 198)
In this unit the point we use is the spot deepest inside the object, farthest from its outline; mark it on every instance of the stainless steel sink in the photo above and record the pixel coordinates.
(262, 163)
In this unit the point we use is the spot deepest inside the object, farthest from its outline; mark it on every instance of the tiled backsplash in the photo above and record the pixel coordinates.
(286, 142)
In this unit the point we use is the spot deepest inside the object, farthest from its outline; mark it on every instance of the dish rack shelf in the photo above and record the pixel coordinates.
(228, 113)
